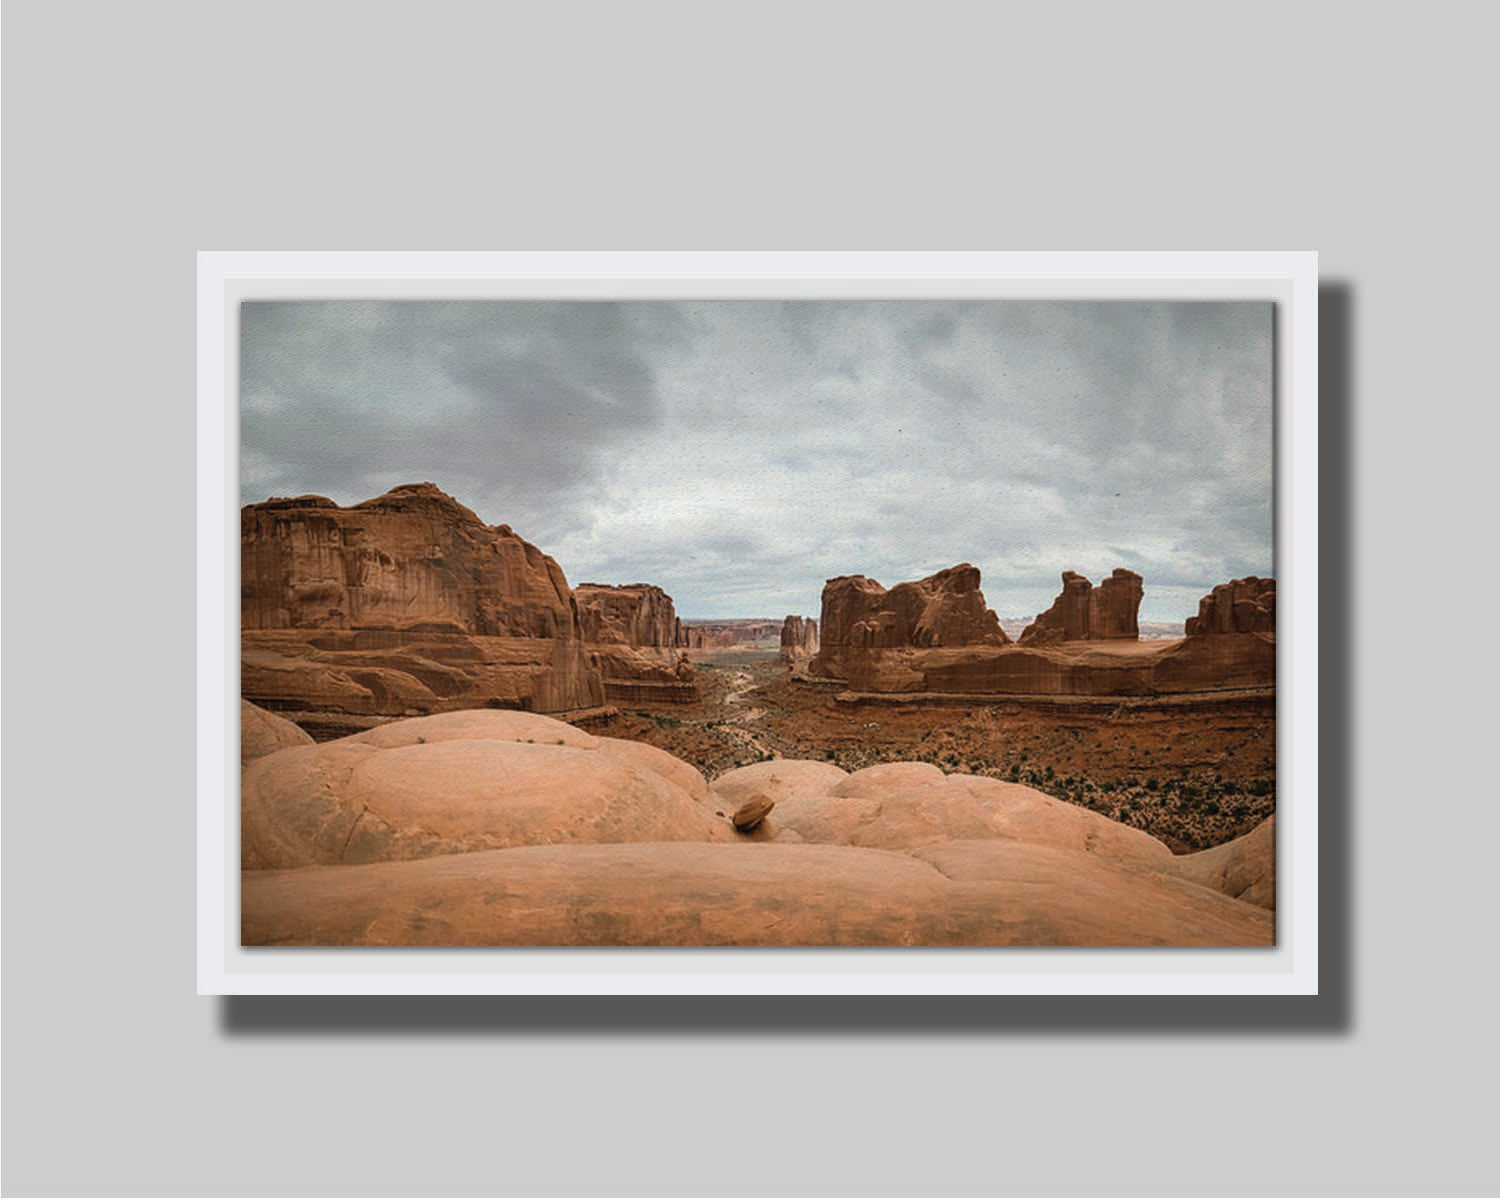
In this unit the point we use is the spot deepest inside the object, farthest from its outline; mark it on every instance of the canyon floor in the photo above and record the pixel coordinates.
(1193, 774)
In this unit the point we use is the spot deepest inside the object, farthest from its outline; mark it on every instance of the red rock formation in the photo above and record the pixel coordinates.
(1240, 606)
(726, 635)
(1117, 668)
(632, 631)
(859, 616)
(414, 558)
(634, 614)
(1114, 607)
(1084, 613)
(799, 640)
(404, 604)
(460, 782)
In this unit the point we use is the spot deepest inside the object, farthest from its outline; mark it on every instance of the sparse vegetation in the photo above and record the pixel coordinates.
(1192, 778)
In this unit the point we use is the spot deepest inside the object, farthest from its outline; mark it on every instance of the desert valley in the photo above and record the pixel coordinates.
(444, 741)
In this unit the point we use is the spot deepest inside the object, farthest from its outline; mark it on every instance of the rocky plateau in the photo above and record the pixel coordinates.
(937, 637)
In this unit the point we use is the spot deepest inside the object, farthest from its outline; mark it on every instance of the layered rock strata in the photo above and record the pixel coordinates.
(633, 631)
(1083, 612)
(632, 614)
(515, 829)
(414, 559)
(935, 637)
(726, 635)
(410, 604)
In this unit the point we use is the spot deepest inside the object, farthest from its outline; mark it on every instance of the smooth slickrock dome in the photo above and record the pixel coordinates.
(1244, 868)
(263, 733)
(900, 806)
(461, 782)
(956, 893)
(508, 828)
(781, 779)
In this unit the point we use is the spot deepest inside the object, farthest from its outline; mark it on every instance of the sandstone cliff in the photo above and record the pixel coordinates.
(860, 617)
(1083, 612)
(401, 605)
(635, 614)
(936, 636)
(632, 632)
(414, 558)
(726, 635)
(799, 640)
(1240, 606)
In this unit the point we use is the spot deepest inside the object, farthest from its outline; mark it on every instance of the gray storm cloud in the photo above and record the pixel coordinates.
(740, 453)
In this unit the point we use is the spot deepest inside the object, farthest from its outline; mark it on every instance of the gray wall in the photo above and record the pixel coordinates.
(136, 134)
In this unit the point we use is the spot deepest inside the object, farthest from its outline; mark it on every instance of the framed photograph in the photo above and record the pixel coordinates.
(757, 623)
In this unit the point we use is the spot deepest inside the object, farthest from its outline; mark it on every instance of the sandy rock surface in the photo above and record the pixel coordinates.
(780, 779)
(743, 895)
(263, 733)
(391, 794)
(1244, 868)
(507, 828)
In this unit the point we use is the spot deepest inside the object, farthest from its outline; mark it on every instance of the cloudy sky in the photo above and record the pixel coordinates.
(740, 453)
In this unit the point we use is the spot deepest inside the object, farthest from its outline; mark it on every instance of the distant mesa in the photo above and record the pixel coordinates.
(799, 641)
(1085, 613)
(728, 635)
(944, 610)
(936, 637)
(408, 604)
(1240, 606)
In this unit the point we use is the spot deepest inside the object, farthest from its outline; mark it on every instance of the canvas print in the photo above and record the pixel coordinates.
(890, 623)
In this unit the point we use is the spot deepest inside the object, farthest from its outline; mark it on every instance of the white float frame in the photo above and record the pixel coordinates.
(1289, 279)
